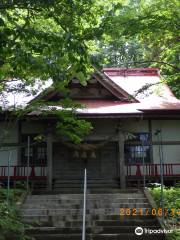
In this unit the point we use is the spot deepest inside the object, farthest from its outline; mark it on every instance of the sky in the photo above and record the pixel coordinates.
(17, 98)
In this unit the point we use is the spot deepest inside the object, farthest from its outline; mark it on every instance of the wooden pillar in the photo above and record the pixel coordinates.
(122, 172)
(49, 161)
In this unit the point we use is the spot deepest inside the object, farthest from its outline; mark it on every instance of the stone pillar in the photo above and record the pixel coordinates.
(121, 160)
(49, 161)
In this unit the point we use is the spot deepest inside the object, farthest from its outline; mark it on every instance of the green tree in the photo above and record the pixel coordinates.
(145, 33)
(48, 40)
(45, 39)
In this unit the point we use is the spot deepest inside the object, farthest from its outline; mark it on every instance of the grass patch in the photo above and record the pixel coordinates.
(171, 201)
(15, 195)
(11, 224)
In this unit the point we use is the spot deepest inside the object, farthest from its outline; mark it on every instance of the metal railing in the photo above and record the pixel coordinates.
(84, 206)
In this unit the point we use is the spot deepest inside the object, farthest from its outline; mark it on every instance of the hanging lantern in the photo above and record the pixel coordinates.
(84, 154)
(76, 154)
(93, 154)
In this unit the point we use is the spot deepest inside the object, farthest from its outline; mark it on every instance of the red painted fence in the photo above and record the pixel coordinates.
(153, 170)
(21, 172)
(134, 170)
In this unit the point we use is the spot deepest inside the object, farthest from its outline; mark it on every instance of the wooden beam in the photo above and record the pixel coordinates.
(49, 161)
(153, 143)
(121, 159)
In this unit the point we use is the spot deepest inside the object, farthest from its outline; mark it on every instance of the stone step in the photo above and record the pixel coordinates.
(92, 190)
(121, 229)
(80, 186)
(79, 211)
(62, 218)
(54, 230)
(89, 196)
(117, 223)
(72, 176)
(89, 182)
(91, 205)
(95, 229)
(92, 182)
(121, 236)
(127, 222)
(96, 180)
(81, 181)
(92, 200)
(43, 191)
(93, 224)
(115, 236)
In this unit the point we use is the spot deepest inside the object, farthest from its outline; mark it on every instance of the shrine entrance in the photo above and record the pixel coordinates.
(69, 163)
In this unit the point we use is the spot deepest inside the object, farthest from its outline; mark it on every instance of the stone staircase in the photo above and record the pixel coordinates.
(59, 216)
(74, 185)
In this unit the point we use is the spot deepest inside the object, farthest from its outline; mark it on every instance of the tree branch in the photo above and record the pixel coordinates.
(5, 6)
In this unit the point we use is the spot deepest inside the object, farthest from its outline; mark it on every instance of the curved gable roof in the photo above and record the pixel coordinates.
(142, 87)
(135, 91)
(103, 79)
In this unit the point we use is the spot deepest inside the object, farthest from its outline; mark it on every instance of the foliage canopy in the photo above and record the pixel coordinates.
(145, 33)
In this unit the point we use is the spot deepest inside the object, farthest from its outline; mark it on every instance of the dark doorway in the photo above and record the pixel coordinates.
(70, 163)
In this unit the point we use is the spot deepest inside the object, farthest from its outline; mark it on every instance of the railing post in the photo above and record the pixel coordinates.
(28, 160)
(8, 183)
(84, 207)
(144, 178)
(159, 137)
(49, 160)
(122, 176)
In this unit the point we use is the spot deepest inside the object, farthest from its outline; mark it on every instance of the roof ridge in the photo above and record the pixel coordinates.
(115, 71)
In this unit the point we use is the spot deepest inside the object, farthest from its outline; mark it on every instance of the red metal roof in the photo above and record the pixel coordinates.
(101, 103)
(157, 97)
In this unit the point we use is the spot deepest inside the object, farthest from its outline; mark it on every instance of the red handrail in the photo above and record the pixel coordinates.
(151, 169)
(20, 172)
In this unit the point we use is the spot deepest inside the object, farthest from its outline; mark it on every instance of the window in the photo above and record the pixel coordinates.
(137, 149)
(37, 153)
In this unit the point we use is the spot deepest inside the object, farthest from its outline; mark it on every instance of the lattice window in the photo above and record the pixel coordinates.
(137, 149)
(37, 153)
